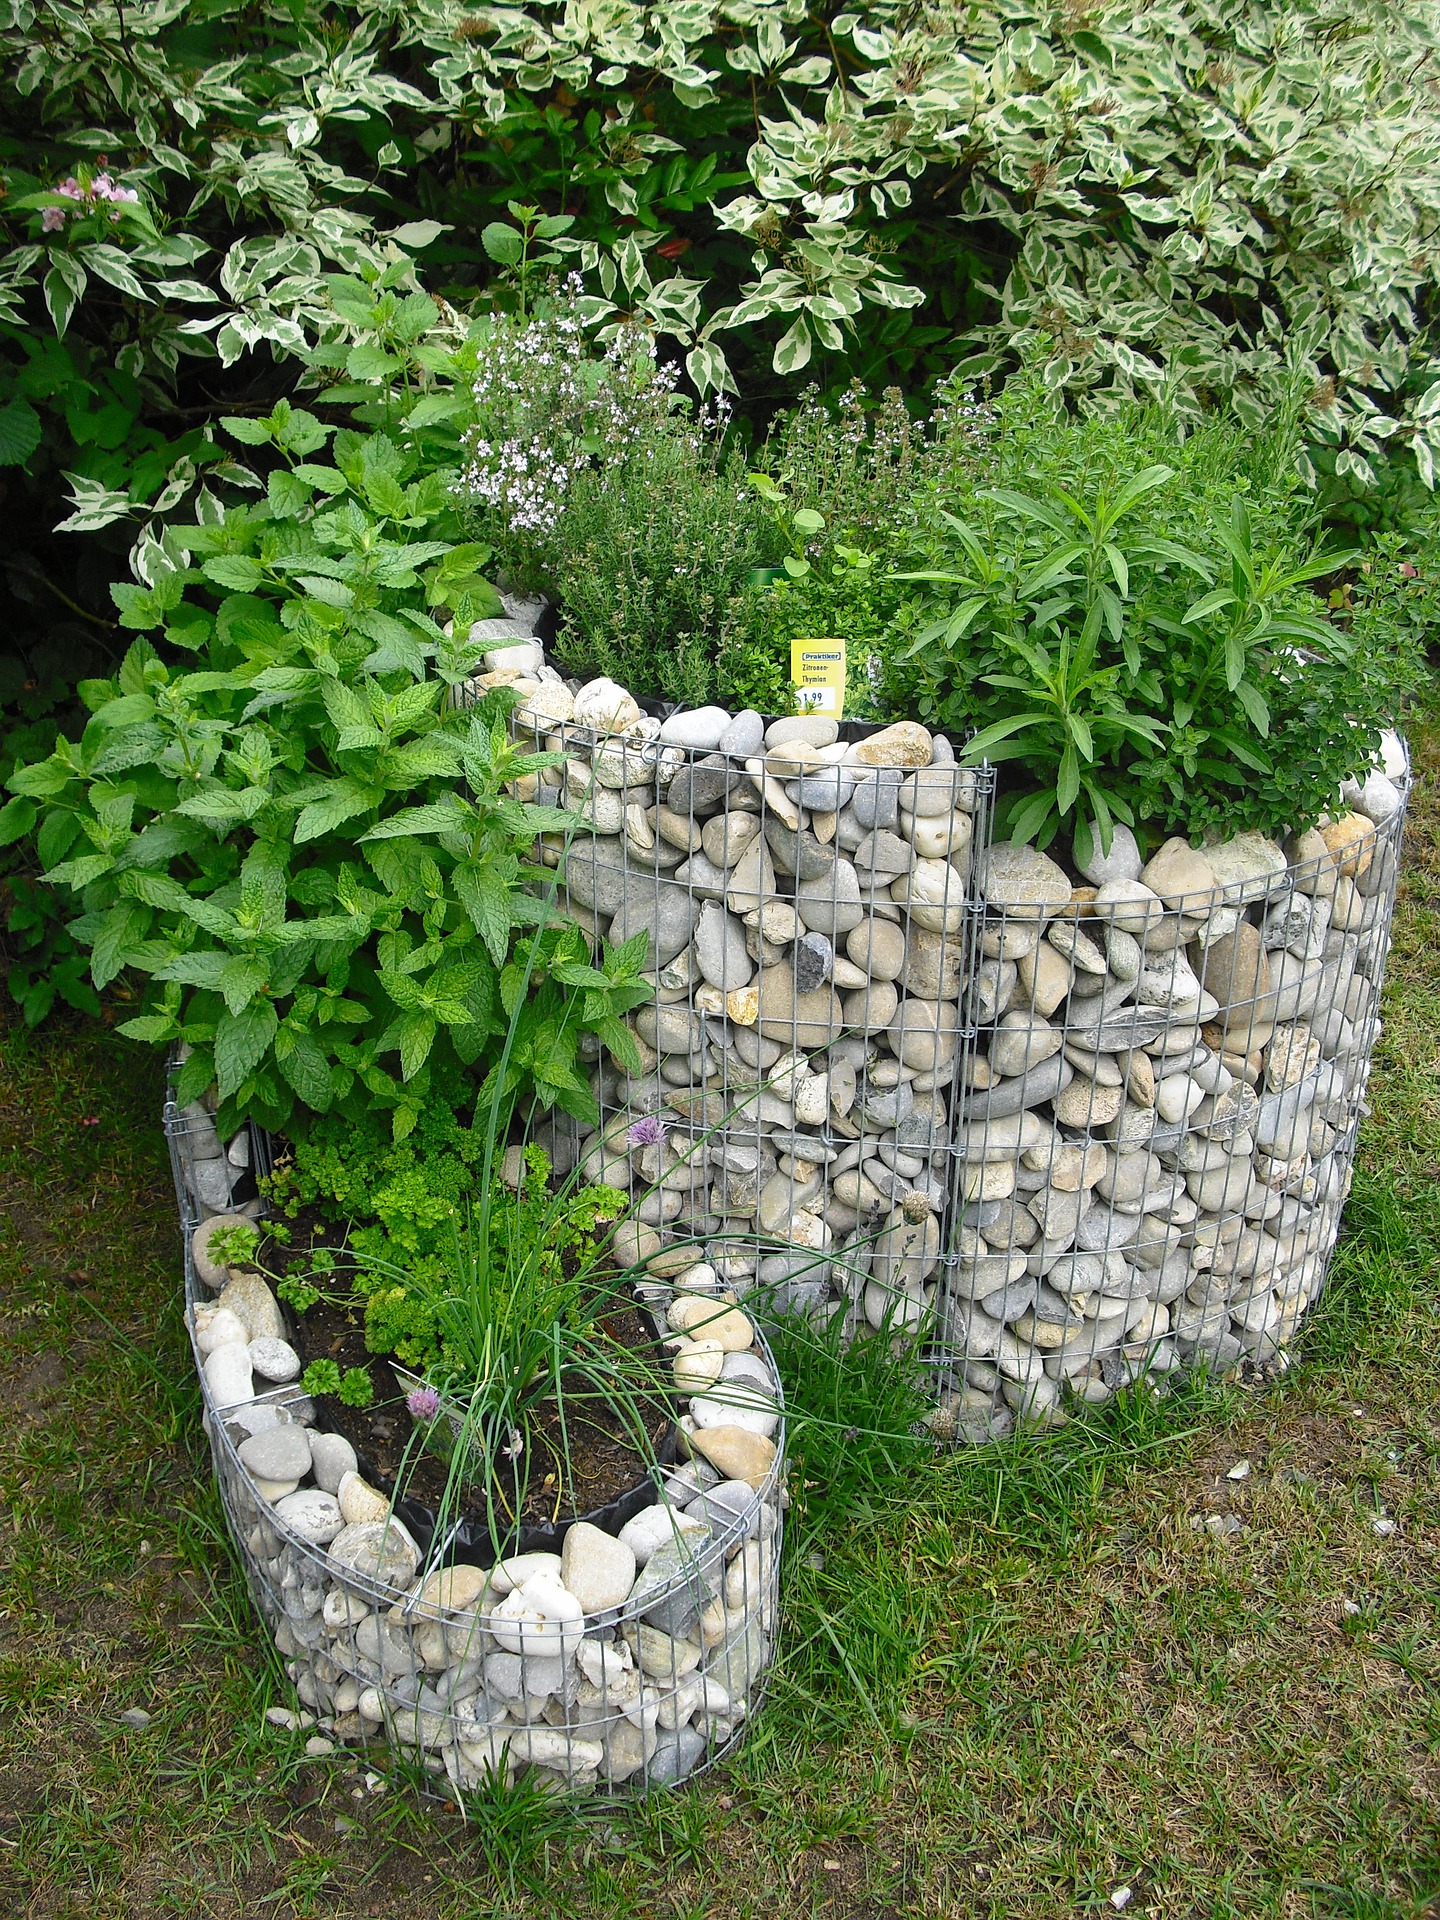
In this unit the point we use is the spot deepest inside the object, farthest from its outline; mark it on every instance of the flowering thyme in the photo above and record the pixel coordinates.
(549, 410)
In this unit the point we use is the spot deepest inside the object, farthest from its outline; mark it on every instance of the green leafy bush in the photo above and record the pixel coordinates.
(655, 565)
(1202, 198)
(310, 859)
(1127, 619)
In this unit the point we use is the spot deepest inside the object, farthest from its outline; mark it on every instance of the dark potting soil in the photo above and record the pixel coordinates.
(604, 1462)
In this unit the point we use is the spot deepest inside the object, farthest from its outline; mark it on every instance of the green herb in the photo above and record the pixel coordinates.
(311, 862)
(353, 1388)
(1138, 638)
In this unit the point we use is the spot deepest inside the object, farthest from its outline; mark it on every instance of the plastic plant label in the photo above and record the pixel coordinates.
(818, 669)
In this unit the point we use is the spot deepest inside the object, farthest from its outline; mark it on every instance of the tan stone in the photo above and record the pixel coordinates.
(449, 1590)
(735, 1452)
(743, 1006)
(1293, 1054)
(1236, 972)
(1044, 977)
(1085, 1103)
(932, 964)
(990, 1180)
(1139, 1078)
(1181, 876)
(1315, 871)
(706, 1318)
(1350, 842)
(806, 1020)
(794, 758)
(906, 744)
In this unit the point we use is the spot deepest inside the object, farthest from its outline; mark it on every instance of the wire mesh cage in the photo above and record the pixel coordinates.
(1159, 1118)
(212, 1176)
(803, 889)
(622, 1661)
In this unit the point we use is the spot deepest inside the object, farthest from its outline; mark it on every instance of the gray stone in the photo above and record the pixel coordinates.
(1021, 880)
(1022, 1041)
(1247, 866)
(814, 962)
(925, 1033)
(701, 787)
(677, 1753)
(666, 913)
(720, 949)
(813, 729)
(1013, 1096)
(313, 1514)
(752, 880)
(670, 1029)
(277, 1454)
(798, 853)
(332, 1457)
(274, 1359)
(744, 737)
(700, 728)
(883, 856)
(825, 789)
(876, 802)
(1122, 862)
(831, 904)
(596, 874)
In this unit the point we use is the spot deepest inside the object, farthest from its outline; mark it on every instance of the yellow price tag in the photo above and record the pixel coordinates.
(818, 669)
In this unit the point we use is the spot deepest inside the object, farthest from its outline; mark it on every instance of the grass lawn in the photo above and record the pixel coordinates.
(1015, 1683)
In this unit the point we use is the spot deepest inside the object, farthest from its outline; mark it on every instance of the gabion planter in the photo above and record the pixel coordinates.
(620, 1663)
(1162, 1106)
(804, 894)
(1094, 1126)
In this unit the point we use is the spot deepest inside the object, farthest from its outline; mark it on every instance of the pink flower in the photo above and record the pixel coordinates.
(52, 220)
(71, 188)
(102, 187)
(423, 1403)
(648, 1132)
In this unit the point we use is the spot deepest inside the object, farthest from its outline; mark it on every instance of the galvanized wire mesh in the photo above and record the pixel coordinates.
(1156, 1136)
(477, 1671)
(805, 901)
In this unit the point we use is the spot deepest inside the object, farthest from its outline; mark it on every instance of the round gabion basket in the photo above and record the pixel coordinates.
(1086, 1124)
(1160, 1118)
(803, 890)
(622, 1662)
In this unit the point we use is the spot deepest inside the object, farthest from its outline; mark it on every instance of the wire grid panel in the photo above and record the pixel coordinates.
(1160, 1114)
(477, 1672)
(211, 1175)
(788, 1118)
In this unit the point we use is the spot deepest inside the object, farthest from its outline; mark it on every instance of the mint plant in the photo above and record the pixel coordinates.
(303, 859)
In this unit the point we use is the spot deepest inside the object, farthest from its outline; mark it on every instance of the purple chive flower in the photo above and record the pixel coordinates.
(648, 1132)
(423, 1403)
